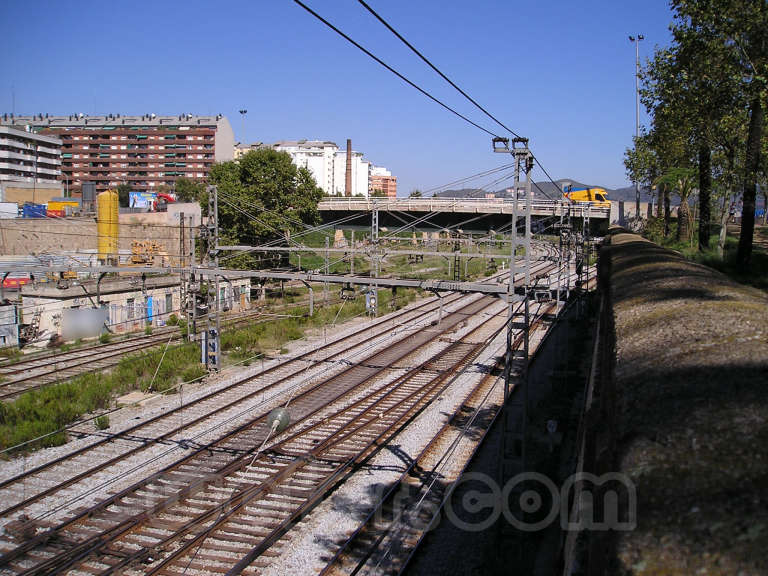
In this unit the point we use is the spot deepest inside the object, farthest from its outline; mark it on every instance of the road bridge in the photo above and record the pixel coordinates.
(438, 213)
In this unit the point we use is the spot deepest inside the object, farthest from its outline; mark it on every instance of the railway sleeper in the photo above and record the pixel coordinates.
(243, 532)
(262, 516)
(214, 545)
(275, 505)
(204, 567)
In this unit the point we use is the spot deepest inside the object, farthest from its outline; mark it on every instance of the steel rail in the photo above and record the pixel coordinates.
(375, 408)
(95, 354)
(192, 487)
(131, 431)
(364, 530)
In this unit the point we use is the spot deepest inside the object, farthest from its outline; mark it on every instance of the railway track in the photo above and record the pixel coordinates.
(184, 512)
(176, 427)
(354, 403)
(51, 367)
(385, 540)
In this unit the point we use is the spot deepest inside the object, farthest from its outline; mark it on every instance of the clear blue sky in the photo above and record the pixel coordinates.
(558, 72)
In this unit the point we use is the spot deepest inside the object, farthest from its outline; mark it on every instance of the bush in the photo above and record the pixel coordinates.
(10, 352)
(193, 373)
(102, 422)
(148, 330)
(173, 320)
(105, 338)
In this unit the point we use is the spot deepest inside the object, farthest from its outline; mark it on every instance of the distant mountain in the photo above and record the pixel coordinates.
(627, 194)
(547, 189)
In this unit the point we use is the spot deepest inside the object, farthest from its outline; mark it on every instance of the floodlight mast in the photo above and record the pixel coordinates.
(636, 41)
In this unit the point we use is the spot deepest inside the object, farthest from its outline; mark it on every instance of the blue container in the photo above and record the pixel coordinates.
(34, 210)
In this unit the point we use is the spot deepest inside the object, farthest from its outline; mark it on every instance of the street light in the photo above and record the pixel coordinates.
(243, 112)
(637, 40)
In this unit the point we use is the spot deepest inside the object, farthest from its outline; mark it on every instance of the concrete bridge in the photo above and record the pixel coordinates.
(481, 212)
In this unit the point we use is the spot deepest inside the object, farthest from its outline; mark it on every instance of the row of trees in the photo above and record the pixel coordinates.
(706, 95)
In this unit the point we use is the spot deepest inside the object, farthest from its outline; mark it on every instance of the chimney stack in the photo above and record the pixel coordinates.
(348, 182)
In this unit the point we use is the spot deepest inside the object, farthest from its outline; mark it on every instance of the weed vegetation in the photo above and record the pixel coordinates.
(42, 412)
(758, 273)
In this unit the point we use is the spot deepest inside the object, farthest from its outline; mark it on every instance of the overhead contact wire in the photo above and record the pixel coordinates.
(395, 72)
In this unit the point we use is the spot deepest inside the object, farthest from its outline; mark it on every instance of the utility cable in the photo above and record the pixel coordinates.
(443, 76)
(395, 72)
(453, 84)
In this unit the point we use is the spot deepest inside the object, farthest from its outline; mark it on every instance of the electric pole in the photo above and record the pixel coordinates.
(212, 340)
(636, 40)
(515, 408)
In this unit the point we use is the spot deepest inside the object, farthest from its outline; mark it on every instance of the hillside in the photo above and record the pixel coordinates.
(546, 189)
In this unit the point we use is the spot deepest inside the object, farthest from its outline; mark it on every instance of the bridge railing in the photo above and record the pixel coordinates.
(432, 204)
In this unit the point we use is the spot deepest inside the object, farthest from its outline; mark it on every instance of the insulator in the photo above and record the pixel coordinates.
(281, 416)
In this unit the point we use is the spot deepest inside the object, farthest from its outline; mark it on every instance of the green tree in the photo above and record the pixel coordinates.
(682, 181)
(123, 194)
(263, 198)
(641, 162)
(688, 85)
(709, 87)
(740, 27)
(728, 165)
(189, 190)
(415, 193)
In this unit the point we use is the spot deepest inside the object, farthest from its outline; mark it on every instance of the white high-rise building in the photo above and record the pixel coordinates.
(360, 173)
(328, 165)
(316, 155)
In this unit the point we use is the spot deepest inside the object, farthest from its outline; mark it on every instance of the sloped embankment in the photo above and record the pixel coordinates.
(691, 412)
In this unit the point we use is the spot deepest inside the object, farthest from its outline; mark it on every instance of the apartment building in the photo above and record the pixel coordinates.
(142, 151)
(30, 166)
(383, 181)
(328, 165)
(360, 174)
(315, 155)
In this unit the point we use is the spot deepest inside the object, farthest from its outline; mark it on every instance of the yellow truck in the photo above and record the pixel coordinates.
(595, 196)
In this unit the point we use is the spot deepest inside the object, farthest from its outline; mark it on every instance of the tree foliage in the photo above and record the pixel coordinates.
(706, 96)
(188, 190)
(682, 182)
(263, 198)
(123, 194)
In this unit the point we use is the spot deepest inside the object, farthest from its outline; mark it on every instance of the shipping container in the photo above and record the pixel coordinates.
(9, 210)
(61, 205)
(34, 210)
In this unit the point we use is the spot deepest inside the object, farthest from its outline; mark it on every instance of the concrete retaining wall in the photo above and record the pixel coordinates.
(682, 412)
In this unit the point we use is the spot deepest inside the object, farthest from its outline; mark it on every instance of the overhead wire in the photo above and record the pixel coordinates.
(443, 76)
(391, 69)
(454, 85)
(435, 189)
